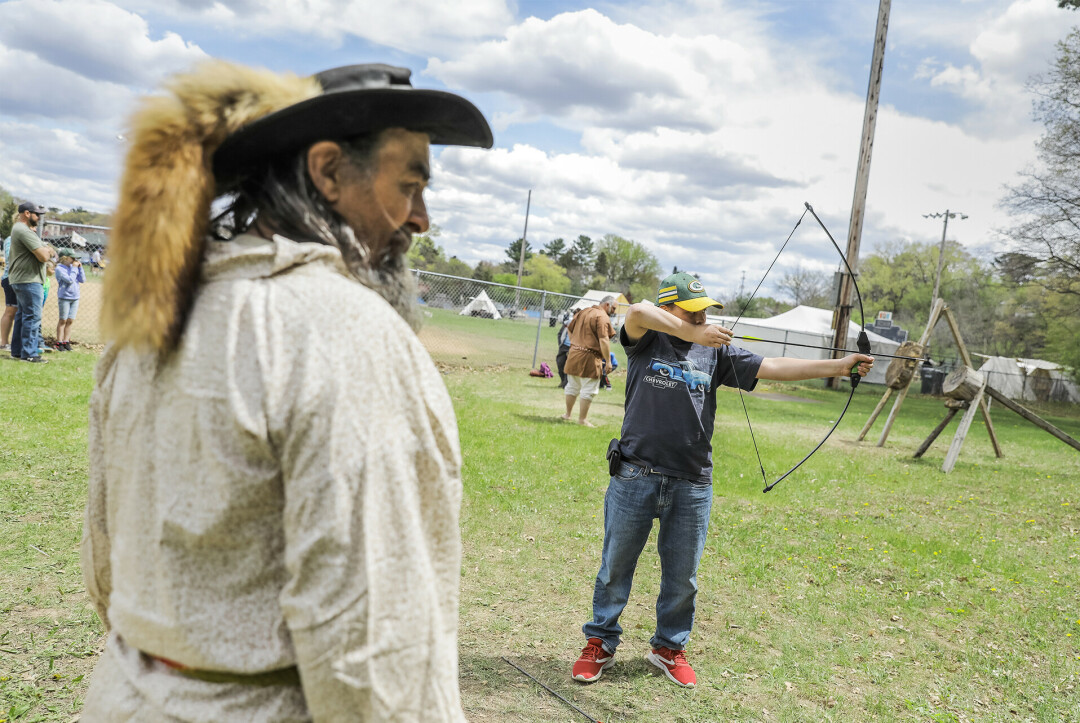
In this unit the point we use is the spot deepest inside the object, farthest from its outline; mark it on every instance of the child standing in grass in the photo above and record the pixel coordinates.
(69, 274)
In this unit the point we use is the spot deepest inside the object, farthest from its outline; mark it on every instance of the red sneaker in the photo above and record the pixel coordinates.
(590, 666)
(674, 665)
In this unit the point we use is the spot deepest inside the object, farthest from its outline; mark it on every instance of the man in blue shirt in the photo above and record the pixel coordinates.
(675, 363)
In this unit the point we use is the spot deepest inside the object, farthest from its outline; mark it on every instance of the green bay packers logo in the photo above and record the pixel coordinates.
(695, 286)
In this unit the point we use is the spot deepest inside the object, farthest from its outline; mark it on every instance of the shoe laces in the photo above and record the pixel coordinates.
(677, 657)
(593, 652)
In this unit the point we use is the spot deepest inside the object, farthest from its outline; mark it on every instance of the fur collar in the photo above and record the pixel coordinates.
(160, 224)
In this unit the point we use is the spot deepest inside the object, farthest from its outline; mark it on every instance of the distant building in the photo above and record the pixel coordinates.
(883, 326)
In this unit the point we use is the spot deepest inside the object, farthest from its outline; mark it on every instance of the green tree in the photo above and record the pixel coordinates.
(513, 252)
(484, 271)
(7, 217)
(1046, 197)
(554, 248)
(581, 255)
(628, 263)
(453, 266)
(425, 253)
(505, 278)
(541, 272)
(81, 215)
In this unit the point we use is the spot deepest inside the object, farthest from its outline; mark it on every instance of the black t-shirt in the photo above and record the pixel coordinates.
(671, 401)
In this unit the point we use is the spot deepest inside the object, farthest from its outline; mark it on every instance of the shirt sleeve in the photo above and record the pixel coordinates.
(63, 276)
(633, 347)
(371, 475)
(96, 544)
(737, 367)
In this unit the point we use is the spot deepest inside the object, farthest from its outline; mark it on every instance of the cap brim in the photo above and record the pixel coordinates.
(698, 304)
(447, 118)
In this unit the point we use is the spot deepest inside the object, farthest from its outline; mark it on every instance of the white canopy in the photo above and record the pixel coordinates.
(481, 305)
(1030, 379)
(805, 325)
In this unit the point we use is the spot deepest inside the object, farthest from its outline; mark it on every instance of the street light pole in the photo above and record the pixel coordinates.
(941, 252)
(521, 256)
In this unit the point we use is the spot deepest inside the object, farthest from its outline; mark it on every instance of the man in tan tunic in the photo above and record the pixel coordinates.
(272, 526)
(590, 348)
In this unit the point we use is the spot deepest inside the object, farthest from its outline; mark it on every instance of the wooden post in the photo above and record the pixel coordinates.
(875, 413)
(955, 328)
(962, 430)
(935, 314)
(1033, 418)
(862, 182)
(934, 435)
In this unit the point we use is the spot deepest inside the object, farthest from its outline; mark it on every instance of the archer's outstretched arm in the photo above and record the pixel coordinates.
(785, 369)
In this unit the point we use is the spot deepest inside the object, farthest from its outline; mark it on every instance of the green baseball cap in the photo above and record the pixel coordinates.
(65, 251)
(685, 291)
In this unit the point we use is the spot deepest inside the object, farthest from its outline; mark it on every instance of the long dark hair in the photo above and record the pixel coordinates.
(279, 194)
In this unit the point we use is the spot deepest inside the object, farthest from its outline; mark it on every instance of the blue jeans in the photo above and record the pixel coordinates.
(634, 498)
(26, 330)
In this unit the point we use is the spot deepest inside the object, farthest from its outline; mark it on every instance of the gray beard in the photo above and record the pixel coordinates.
(389, 277)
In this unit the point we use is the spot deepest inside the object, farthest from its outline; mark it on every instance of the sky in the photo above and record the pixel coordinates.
(697, 128)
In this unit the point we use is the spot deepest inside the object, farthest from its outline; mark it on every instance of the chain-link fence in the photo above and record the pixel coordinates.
(466, 322)
(481, 323)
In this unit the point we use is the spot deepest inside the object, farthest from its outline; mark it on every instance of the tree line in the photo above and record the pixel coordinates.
(9, 206)
(611, 263)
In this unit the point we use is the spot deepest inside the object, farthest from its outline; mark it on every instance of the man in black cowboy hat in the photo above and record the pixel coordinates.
(272, 526)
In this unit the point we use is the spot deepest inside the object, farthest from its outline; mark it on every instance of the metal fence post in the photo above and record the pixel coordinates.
(539, 325)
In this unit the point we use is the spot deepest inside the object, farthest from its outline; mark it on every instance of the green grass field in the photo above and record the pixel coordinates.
(867, 586)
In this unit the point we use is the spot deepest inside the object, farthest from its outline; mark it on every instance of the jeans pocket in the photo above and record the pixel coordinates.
(629, 471)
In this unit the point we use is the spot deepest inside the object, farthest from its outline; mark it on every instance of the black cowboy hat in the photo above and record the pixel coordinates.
(356, 99)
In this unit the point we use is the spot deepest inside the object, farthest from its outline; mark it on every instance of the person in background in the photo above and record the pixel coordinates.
(95, 261)
(590, 334)
(11, 305)
(26, 275)
(69, 274)
(563, 338)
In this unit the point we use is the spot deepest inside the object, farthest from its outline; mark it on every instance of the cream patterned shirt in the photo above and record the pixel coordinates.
(283, 489)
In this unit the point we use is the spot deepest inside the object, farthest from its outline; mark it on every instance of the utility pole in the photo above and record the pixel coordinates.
(941, 252)
(521, 257)
(842, 316)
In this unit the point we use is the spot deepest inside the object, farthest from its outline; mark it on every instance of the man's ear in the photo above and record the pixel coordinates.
(324, 164)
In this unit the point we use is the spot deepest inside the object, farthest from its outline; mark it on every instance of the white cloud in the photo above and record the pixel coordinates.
(95, 39)
(419, 26)
(583, 66)
(1007, 50)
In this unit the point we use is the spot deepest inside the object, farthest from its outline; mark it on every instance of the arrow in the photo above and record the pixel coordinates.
(564, 700)
(825, 348)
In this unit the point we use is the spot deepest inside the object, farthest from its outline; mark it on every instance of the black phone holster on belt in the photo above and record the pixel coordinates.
(614, 457)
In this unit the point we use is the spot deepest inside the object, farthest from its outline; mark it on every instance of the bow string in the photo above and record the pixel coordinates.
(863, 344)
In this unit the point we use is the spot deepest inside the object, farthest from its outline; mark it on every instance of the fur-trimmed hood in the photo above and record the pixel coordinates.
(160, 223)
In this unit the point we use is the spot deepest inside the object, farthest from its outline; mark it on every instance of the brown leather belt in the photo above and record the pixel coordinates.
(281, 676)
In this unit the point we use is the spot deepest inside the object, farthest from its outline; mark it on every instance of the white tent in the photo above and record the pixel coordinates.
(592, 297)
(805, 325)
(481, 305)
(1030, 379)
